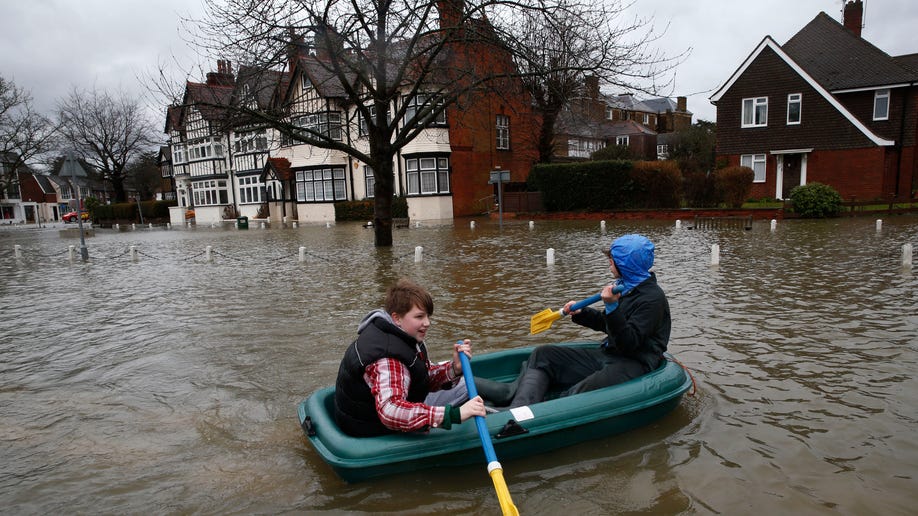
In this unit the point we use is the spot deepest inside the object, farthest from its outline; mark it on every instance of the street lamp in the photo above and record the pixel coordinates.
(71, 166)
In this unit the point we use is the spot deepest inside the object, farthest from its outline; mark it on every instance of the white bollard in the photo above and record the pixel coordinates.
(678, 224)
(418, 254)
(302, 254)
(213, 225)
(208, 254)
(879, 225)
(189, 225)
(17, 251)
(715, 254)
(417, 224)
(531, 224)
(268, 220)
(72, 250)
(133, 250)
(168, 225)
(295, 225)
(550, 256)
(774, 224)
(117, 227)
(262, 226)
(328, 224)
(602, 225)
(472, 224)
(907, 255)
(150, 225)
(285, 220)
(235, 225)
(133, 227)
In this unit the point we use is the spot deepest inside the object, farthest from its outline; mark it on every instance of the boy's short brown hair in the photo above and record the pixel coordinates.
(404, 295)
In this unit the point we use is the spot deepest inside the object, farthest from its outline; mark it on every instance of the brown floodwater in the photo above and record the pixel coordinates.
(168, 384)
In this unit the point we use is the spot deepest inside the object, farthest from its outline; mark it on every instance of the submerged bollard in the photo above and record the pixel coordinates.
(302, 254)
(17, 251)
(117, 227)
(262, 226)
(602, 225)
(907, 256)
(715, 254)
(678, 224)
(531, 224)
(774, 224)
(168, 225)
(418, 254)
(150, 225)
(328, 224)
(550, 256)
(72, 252)
(879, 225)
(208, 254)
(472, 224)
(295, 225)
(189, 225)
(133, 227)
(133, 251)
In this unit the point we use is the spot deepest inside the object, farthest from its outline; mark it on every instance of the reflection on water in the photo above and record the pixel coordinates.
(169, 384)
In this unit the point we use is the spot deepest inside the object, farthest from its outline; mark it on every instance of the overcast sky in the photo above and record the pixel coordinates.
(49, 47)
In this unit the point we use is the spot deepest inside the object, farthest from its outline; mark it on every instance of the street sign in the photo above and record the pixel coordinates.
(500, 176)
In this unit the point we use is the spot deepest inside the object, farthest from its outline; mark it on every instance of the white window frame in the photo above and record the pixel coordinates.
(320, 185)
(758, 163)
(622, 140)
(418, 102)
(251, 190)
(502, 123)
(881, 103)
(212, 192)
(369, 181)
(794, 99)
(754, 112)
(427, 175)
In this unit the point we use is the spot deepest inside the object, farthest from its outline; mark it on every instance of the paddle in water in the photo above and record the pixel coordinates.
(544, 319)
(494, 468)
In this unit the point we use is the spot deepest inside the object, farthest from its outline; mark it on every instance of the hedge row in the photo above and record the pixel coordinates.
(607, 185)
(128, 210)
(363, 210)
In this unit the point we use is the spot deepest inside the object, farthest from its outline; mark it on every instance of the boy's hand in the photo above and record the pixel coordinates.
(473, 407)
(463, 346)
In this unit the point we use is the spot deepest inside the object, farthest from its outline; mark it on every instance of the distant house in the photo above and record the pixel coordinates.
(597, 120)
(828, 107)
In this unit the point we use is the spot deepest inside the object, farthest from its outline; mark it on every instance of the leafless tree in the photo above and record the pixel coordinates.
(555, 54)
(440, 52)
(24, 134)
(106, 131)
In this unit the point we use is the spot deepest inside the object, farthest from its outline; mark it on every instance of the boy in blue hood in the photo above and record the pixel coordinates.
(636, 321)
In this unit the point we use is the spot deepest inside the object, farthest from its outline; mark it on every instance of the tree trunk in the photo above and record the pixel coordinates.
(382, 202)
(546, 142)
(118, 187)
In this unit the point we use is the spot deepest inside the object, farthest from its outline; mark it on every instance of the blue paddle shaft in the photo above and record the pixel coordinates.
(486, 444)
(592, 299)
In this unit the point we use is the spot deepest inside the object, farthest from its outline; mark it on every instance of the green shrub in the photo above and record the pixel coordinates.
(658, 184)
(815, 200)
(733, 185)
(584, 186)
(700, 190)
(364, 210)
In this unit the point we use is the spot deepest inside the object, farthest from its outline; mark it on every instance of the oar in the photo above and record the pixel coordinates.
(494, 467)
(544, 319)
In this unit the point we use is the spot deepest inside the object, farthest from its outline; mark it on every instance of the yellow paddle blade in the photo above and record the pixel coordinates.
(542, 320)
(503, 494)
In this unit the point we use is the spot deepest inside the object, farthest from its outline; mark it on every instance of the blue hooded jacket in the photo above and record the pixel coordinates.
(633, 257)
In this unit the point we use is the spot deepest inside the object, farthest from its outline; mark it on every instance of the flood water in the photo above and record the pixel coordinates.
(169, 385)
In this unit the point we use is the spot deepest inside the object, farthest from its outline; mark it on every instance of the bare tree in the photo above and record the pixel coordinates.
(555, 54)
(107, 132)
(144, 175)
(442, 54)
(24, 134)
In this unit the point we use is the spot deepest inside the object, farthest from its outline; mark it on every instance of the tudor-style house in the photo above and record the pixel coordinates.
(225, 169)
(827, 107)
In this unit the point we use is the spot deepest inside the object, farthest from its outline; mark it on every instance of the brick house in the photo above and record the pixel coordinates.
(827, 107)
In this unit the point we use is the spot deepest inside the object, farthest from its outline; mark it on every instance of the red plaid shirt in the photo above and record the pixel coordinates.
(389, 380)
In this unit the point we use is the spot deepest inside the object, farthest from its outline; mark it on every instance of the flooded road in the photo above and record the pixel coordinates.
(169, 384)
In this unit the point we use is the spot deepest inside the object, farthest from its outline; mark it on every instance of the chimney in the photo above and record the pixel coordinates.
(294, 48)
(681, 104)
(223, 76)
(450, 13)
(592, 86)
(853, 17)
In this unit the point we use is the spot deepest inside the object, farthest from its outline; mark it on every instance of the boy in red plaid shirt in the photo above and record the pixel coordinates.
(386, 374)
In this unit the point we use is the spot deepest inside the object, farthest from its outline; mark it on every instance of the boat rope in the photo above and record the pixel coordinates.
(687, 370)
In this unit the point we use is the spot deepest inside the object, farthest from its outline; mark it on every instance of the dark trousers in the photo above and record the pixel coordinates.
(580, 370)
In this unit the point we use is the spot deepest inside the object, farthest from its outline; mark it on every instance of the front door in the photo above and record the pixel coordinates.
(791, 174)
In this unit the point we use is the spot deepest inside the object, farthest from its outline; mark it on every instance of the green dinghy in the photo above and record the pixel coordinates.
(523, 431)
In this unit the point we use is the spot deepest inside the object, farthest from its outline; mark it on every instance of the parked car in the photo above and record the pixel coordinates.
(72, 216)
